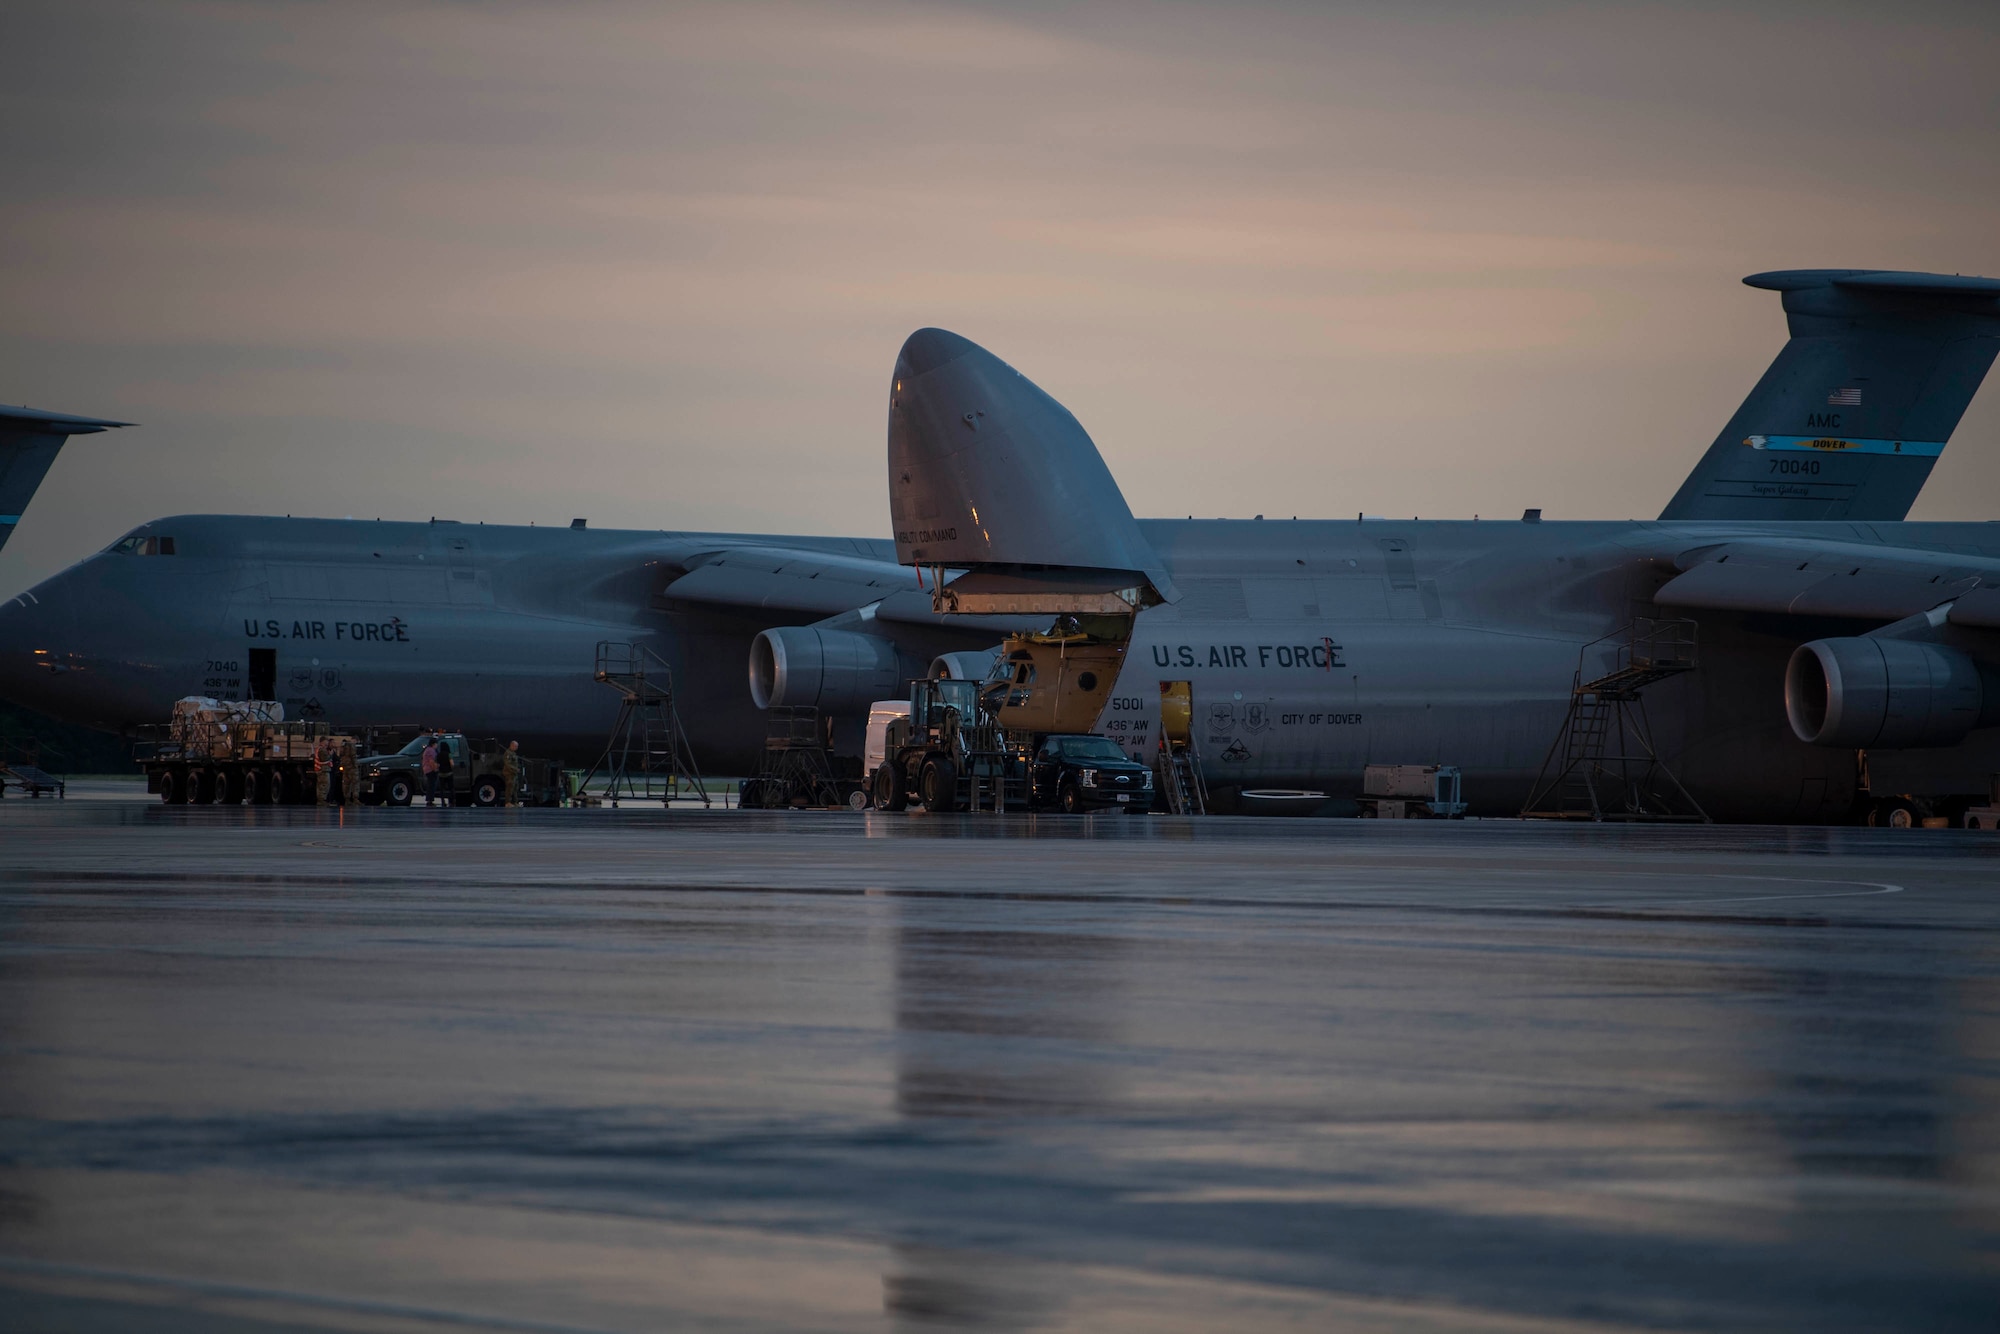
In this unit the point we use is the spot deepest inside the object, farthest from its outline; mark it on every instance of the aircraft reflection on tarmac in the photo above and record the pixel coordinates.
(797, 1070)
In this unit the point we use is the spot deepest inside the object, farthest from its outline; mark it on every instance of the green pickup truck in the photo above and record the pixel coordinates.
(475, 779)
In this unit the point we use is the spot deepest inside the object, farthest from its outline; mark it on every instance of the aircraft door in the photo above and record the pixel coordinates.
(263, 673)
(469, 586)
(1177, 712)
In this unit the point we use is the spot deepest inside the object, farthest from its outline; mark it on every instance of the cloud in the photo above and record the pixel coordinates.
(652, 263)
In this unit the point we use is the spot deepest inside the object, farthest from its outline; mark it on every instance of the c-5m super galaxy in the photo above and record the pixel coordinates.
(1309, 649)
(1809, 624)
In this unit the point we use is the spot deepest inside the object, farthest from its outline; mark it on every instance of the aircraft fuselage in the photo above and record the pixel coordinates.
(1312, 648)
(1316, 648)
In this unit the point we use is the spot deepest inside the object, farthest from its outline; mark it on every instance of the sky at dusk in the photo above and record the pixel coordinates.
(651, 264)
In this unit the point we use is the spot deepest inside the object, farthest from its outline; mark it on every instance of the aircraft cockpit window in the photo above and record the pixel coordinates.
(145, 546)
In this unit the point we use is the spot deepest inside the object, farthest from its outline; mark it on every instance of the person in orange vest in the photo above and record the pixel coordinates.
(322, 772)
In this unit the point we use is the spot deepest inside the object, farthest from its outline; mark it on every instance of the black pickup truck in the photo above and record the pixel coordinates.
(1088, 773)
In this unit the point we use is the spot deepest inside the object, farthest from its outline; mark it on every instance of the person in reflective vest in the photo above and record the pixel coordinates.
(323, 780)
(430, 765)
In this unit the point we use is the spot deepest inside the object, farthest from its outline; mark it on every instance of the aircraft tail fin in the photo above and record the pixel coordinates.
(988, 472)
(29, 442)
(1851, 417)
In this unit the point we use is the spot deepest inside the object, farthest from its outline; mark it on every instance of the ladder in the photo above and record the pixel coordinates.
(646, 757)
(1177, 770)
(1604, 763)
(796, 765)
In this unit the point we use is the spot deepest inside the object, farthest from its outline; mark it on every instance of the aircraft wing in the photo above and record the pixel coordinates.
(816, 583)
(1854, 580)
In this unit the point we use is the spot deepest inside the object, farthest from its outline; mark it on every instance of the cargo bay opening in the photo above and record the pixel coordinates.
(1058, 679)
(1014, 727)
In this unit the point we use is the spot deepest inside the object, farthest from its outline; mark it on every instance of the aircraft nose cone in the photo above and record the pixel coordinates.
(987, 469)
(16, 650)
(30, 657)
(927, 349)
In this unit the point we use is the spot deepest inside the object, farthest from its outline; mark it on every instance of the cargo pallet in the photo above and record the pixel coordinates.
(263, 764)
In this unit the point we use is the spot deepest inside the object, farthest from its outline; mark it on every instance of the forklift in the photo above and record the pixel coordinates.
(950, 753)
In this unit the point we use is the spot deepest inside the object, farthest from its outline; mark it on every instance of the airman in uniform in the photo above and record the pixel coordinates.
(343, 770)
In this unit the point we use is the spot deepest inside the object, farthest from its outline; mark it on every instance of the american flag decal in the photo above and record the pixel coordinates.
(1844, 398)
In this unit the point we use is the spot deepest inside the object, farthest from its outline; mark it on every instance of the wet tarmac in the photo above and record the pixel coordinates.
(596, 1070)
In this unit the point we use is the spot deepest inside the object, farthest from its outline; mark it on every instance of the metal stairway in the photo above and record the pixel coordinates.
(797, 770)
(646, 757)
(1177, 771)
(1604, 763)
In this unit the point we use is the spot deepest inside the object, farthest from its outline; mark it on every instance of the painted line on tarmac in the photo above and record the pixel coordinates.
(1876, 888)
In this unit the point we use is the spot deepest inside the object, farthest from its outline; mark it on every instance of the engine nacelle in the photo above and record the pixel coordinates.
(964, 666)
(1890, 693)
(837, 670)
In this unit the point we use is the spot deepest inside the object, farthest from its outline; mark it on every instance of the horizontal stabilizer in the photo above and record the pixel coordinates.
(1851, 417)
(986, 470)
(29, 442)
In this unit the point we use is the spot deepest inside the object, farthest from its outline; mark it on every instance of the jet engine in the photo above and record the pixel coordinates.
(1891, 693)
(837, 670)
(964, 666)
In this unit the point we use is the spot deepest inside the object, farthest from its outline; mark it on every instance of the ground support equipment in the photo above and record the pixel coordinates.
(1604, 764)
(647, 757)
(21, 770)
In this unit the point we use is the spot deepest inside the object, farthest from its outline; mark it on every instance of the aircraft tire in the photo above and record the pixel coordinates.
(890, 792)
(939, 785)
